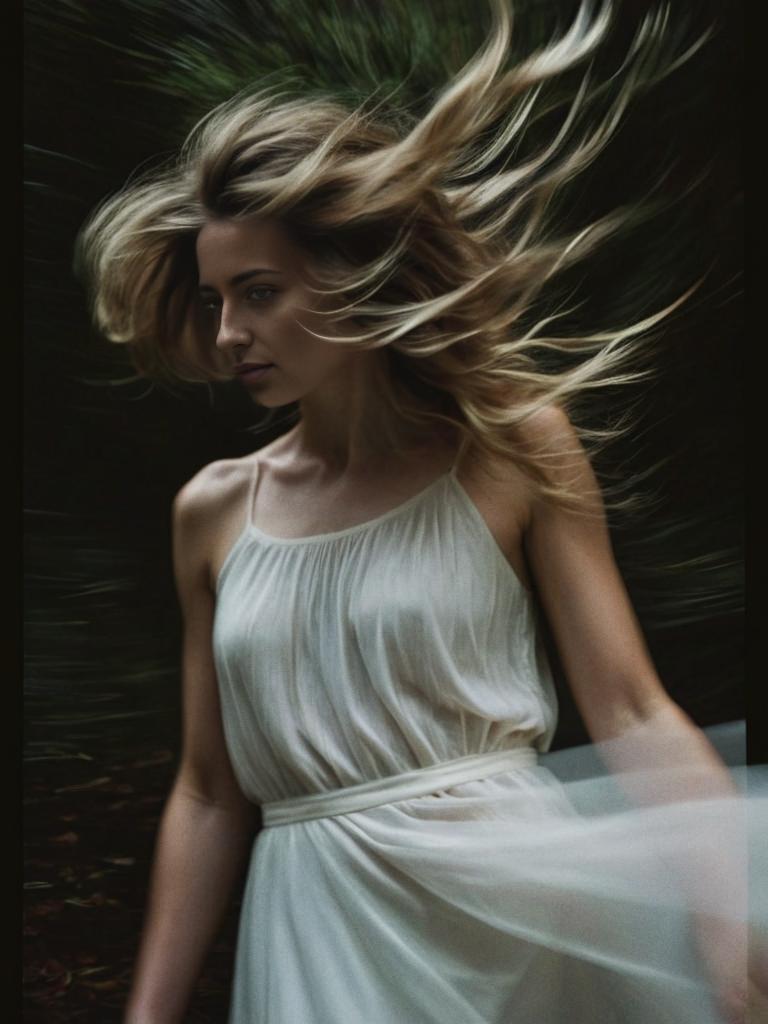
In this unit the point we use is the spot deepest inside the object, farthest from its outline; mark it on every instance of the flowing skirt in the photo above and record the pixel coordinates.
(540, 895)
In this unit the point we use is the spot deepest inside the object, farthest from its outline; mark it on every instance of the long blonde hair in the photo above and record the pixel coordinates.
(432, 238)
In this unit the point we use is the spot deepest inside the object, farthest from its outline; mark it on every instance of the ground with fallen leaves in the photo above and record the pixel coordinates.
(90, 829)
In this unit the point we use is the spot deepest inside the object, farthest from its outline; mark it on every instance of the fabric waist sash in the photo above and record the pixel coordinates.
(417, 782)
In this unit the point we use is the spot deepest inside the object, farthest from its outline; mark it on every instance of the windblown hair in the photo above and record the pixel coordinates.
(434, 242)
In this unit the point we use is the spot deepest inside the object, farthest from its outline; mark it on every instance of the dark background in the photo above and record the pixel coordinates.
(110, 87)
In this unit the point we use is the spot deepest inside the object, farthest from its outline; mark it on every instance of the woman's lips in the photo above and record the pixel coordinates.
(255, 372)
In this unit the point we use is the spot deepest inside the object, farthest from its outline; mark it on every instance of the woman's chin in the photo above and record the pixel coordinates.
(271, 400)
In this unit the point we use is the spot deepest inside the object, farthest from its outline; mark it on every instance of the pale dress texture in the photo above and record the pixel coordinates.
(489, 892)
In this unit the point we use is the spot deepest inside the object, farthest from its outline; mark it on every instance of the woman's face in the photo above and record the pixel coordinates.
(254, 289)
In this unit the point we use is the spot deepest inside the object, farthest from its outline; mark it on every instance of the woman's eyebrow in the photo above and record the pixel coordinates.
(239, 278)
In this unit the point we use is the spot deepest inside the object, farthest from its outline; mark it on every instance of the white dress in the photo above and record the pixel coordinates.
(480, 891)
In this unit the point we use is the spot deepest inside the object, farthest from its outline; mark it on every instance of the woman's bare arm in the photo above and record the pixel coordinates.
(606, 661)
(642, 734)
(207, 826)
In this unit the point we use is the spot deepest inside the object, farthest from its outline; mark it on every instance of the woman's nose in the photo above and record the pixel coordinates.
(232, 331)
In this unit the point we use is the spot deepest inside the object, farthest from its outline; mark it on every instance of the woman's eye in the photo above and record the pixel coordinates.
(258, 293)
(261, 292)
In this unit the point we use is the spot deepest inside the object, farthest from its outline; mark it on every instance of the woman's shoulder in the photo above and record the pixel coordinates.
(209, 508)
(500, 479)
(211, 485)
(222, 480)
(547, 432)
(549, 426)
(208, 511)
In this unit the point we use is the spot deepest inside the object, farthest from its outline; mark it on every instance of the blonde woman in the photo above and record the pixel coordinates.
(362, 657)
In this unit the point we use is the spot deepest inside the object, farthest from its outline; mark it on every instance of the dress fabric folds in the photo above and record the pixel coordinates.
(387, 700)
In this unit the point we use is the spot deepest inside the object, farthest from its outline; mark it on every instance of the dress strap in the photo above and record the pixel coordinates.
(249, 503)
(407, 785)
(466, 440)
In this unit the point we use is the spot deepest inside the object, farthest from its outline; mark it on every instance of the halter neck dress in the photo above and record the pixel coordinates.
(386, 698)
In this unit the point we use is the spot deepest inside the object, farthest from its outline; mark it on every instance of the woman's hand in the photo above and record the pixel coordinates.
(723, 947)
(736, 961)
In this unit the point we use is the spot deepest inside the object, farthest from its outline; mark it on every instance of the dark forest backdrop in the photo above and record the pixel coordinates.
(113, 86)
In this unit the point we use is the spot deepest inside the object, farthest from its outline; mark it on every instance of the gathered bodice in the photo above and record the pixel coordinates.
(365, 652)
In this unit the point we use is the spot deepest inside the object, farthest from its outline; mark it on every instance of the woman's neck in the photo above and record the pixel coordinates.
(348, 424)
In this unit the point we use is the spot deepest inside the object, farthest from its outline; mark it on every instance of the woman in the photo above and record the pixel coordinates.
(361, 653)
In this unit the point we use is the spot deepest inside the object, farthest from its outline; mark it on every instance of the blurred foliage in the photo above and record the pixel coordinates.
(112, 88)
